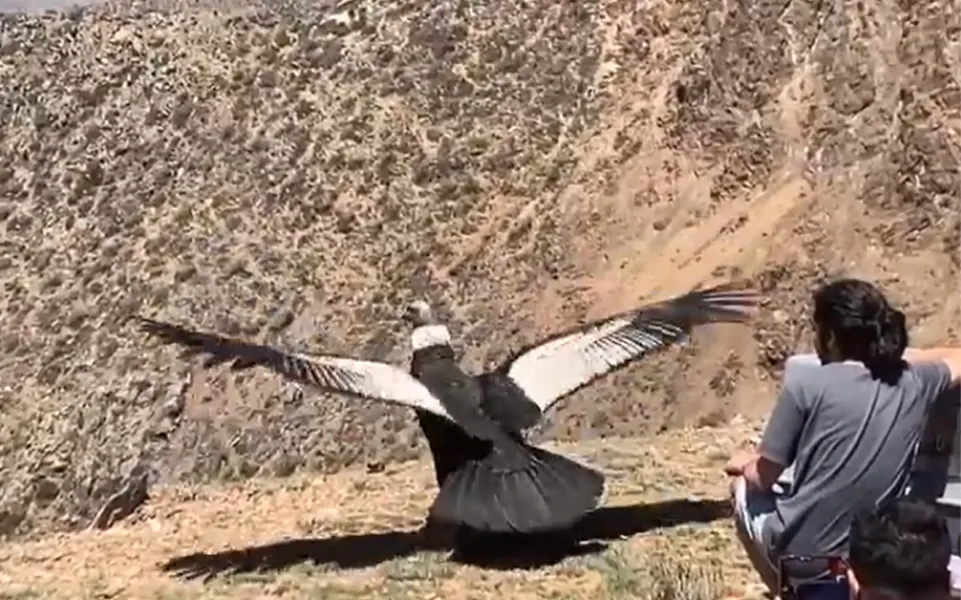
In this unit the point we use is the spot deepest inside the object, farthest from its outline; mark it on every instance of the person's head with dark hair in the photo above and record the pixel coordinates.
(901, 551)
(854, 321)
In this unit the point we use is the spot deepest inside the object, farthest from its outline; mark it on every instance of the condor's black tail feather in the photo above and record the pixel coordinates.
(493, 495)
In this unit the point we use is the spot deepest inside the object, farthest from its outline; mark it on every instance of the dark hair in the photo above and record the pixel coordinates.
(902, 548)
(865, 326)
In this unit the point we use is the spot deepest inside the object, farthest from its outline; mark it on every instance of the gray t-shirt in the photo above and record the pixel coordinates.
(852, 439)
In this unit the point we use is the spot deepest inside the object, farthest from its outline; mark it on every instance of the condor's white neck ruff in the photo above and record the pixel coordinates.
(429, 335)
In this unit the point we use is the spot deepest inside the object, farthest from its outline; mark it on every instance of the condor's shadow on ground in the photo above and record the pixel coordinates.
(493, 552)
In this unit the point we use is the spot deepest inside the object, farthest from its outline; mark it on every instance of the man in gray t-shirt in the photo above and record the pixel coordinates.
(850, 425)
(851, 438)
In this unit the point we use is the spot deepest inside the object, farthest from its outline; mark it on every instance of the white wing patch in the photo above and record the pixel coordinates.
(354, 377)
(362, 378)
(554, 369)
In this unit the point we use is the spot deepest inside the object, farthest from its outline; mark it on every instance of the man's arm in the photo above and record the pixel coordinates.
(779, 443)
(762, 473)
(951, 357)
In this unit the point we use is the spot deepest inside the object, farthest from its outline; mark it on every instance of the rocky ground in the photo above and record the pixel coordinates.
(295, 172)
(665, 534)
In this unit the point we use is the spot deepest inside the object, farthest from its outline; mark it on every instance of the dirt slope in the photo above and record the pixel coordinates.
(295, 174)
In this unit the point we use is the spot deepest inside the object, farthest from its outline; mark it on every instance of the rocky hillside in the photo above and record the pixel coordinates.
(295, 173)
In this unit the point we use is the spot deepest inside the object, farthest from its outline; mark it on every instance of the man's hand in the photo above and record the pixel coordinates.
(738, 463)
(853, 581)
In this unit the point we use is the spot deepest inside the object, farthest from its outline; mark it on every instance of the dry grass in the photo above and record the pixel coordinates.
(664, 535)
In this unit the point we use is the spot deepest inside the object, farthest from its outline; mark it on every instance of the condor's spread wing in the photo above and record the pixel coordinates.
(559, 365)
(358, 378)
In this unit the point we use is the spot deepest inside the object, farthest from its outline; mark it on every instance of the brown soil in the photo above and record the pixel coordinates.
(295, 174)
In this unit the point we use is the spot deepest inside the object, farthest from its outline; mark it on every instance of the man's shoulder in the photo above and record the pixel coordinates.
(806, 370)
(801, 368)
(808, 382)
(934, 373)
(804, 373)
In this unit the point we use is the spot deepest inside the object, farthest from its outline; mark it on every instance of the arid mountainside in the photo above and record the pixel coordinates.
(296, 173)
